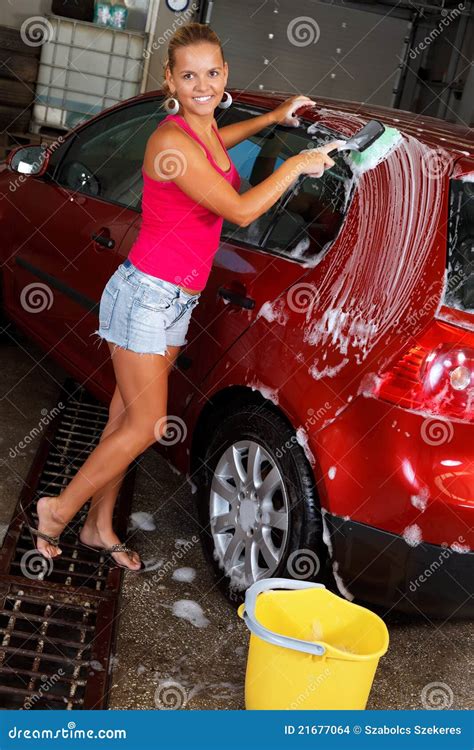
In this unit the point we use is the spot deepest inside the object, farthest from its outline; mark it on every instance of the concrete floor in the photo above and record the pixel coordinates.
(162, 659)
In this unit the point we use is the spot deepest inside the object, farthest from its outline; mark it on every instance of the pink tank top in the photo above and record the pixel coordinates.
(178, 237)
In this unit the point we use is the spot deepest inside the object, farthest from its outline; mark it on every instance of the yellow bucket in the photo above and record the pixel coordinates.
(309, 648)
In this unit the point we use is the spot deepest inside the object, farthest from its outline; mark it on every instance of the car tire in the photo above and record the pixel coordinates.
(260, 432)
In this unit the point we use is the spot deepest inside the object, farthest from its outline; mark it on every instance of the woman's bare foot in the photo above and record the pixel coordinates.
(49, 522)
(91, 534)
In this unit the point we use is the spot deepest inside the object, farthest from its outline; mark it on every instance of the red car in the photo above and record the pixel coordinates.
(324, 404)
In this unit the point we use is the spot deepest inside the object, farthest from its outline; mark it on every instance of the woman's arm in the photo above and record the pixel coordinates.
(284, 114)
(176, 156)
(239, 131)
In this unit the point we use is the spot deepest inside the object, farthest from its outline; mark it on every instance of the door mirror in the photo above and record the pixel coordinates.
(31, 160)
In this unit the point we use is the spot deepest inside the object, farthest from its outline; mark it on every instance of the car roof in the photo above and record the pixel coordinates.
(347, 116)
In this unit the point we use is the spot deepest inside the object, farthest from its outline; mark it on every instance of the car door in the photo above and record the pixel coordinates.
(255, 265)
(76, 218)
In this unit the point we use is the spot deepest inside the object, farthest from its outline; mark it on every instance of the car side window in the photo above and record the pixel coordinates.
(106, 157)
(254, 159)
(312, 217)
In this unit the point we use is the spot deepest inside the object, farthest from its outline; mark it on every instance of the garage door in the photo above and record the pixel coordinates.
(311, 48)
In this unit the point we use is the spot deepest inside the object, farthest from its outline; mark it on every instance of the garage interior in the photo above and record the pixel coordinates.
(409, 55)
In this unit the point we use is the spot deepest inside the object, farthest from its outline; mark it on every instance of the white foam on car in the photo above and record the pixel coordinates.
(412, 535)
(340, 583)
(302, 438)
(353, 318)
(326, 534)
(461, 548)
(420, 501)
(274, 312)
(375, 154)
(266, 392)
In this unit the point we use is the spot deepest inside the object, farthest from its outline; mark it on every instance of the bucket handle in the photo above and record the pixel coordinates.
(308, 647)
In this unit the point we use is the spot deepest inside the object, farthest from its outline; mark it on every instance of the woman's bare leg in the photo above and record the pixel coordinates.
(143, 383)
(97, 529)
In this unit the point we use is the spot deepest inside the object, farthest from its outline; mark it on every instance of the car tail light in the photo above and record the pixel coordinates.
(434, 379)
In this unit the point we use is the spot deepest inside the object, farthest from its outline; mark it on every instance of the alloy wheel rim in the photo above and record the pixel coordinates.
(249, 513)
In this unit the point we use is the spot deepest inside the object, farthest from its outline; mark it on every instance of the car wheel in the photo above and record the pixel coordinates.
(257, 502)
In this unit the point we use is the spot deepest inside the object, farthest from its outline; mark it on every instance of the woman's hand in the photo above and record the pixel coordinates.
(284, 113)
(314, 161)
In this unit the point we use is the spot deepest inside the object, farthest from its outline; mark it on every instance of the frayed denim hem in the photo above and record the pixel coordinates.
(101, 337)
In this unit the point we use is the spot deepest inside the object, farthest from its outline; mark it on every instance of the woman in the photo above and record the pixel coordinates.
(190, 187)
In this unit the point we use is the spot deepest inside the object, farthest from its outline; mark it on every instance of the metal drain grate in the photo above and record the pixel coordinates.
(57, 632)
(49, 651)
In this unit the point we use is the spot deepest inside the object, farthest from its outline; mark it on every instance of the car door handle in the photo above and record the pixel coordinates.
(107, 242)
(236, 299)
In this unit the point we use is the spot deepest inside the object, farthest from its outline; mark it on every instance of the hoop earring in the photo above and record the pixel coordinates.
(224, 104)
(171, 105)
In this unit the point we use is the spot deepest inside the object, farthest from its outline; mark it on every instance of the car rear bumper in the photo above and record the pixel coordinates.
(380, 567)
(400, 471)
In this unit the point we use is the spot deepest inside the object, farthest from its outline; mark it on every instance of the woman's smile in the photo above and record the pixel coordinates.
(203, 99)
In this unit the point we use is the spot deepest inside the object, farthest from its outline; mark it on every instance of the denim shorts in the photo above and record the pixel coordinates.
(144, 313)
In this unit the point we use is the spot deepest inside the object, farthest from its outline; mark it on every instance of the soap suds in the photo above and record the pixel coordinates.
(266, 392)
(143, 521)
(412, 535)
(184, 574)
(302, 438)
(340, 583)
(187, 609)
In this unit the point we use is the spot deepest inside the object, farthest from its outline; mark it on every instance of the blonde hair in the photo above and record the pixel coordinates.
(191, 33)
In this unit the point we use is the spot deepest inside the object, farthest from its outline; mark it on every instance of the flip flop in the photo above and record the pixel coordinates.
(119, 547)
(54, 540)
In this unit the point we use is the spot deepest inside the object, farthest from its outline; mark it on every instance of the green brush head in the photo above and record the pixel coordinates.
(377, 152)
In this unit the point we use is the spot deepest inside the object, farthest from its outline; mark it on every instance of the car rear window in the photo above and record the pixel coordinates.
(459, 291)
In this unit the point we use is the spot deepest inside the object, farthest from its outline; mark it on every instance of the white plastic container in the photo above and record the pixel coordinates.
(85, 68)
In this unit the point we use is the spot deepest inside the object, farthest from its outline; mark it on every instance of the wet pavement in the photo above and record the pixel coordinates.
(180, 643)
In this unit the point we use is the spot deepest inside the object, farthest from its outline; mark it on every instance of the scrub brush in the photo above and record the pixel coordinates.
(370, 145)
